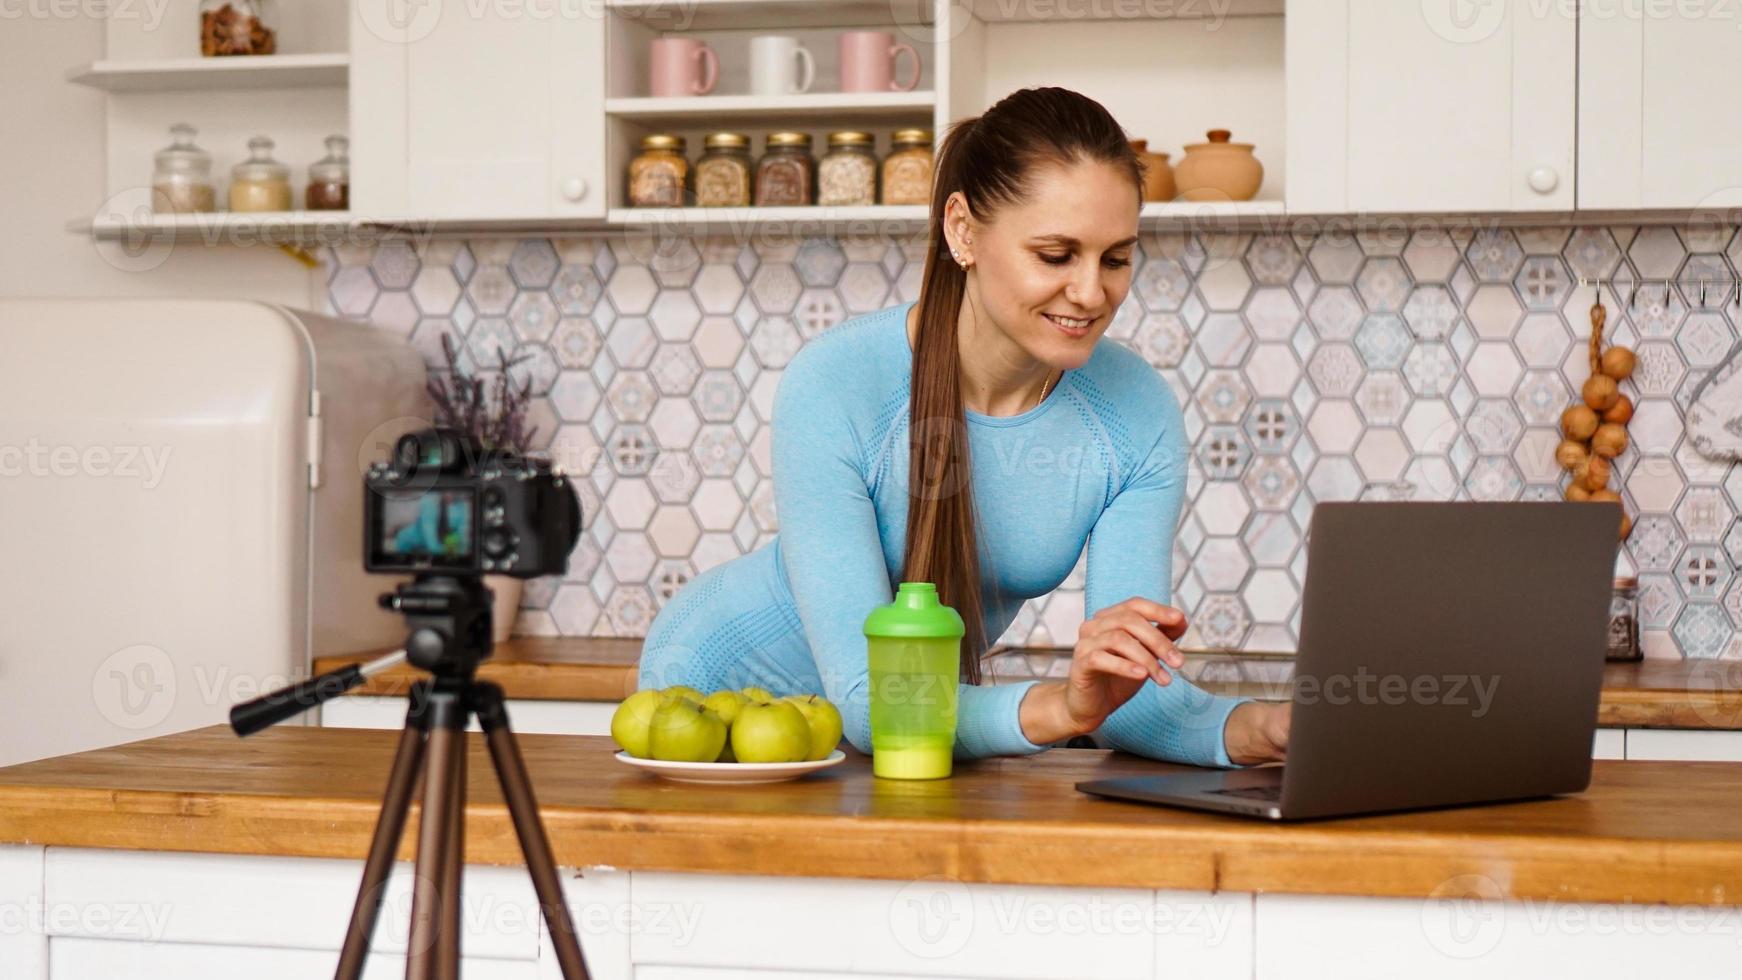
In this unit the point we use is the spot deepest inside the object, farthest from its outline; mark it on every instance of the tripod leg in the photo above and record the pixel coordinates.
(446, 721)
(523, 810)
(388, 828)
(448, 943)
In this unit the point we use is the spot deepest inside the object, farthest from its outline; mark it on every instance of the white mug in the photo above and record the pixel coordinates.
(779, 66)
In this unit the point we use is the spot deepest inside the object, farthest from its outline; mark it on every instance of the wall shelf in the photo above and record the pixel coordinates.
(1053, 11)
(215, 74)
(714, 15)
(219, 227)
(829, 108)
(872, 217)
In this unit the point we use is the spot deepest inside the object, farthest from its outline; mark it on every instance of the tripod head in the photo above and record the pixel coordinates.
(450, 621)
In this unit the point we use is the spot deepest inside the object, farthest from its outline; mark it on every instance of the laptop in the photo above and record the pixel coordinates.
(1450, 654)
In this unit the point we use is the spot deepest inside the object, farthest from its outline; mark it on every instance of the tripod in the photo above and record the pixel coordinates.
(450, 620)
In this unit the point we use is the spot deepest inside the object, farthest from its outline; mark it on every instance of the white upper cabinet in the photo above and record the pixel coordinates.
(477, 110)
(1430, 105)
(1659, 122)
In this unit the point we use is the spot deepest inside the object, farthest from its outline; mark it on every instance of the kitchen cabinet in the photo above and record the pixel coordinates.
(1658, 124)
(1408, 107)
(467, 112)
(1668, 745)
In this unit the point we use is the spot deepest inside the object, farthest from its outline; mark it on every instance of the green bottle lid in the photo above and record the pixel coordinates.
(915, 613)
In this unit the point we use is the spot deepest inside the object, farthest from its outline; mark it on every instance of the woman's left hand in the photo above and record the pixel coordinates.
(1257, 731)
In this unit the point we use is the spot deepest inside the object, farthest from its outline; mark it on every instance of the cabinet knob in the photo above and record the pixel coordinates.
(1543, 180)
(575, 188)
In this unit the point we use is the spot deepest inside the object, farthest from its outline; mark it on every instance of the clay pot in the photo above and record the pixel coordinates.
(1157, 173)
(1218, 170)
(505, 608)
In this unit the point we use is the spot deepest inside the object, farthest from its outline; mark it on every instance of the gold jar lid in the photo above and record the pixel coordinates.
(911, 136)
(850, 138)
(1626, 582)
(732, 141)
(789, 139)
(662, 141)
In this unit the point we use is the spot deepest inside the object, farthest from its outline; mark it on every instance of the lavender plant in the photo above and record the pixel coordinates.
(488, 405)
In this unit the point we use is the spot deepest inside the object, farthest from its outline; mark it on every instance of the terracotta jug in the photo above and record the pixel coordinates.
(1157, 173)
(1218, 170)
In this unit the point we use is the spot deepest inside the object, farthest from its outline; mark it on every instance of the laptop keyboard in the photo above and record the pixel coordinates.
(1272, 794)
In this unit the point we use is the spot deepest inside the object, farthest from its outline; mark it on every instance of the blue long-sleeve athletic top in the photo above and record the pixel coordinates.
(1101, 459)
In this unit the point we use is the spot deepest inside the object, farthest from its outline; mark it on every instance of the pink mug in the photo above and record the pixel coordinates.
(868, 62)
(683, 66)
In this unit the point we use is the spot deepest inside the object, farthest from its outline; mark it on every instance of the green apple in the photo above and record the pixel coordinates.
(685, 690)
(683, 731)
(629, 723)
(773, 731)
(824, 720)
(759, 694)
(726, 704)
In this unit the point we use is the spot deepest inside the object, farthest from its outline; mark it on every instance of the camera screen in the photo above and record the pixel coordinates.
(433, 528)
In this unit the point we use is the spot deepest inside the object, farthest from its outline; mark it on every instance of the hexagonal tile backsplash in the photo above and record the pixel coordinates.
(1309, 367)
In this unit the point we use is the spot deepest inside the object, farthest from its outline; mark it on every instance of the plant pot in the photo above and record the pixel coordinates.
(1218, 170)
(506, 605)
(1157, 173)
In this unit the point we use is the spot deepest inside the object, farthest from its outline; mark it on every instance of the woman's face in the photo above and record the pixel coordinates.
(1051, 270)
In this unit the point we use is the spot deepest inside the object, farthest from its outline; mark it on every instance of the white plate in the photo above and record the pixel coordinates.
(730, 772)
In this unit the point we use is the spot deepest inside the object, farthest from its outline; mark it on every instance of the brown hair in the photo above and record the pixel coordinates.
(989, 160)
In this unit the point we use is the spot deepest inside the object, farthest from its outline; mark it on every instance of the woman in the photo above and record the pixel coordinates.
(1035, 217)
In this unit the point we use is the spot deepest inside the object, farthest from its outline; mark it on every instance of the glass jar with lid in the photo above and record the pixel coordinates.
(232, 27)
(786, 174)
(260, 183)
(659, 175)
(723, 172)
(847, 174)
(907, 169)
(182, 180)
(1624, 620)
(329, 178)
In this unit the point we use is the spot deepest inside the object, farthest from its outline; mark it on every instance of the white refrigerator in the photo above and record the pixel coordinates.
(181, 508)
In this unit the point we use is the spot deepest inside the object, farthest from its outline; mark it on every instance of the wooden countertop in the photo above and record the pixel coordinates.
(1646, 694)
(1644, 832)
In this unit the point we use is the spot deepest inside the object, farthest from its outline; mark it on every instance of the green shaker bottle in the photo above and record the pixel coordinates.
(915, 649)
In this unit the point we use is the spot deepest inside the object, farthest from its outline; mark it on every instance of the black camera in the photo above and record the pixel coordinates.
(444, 505)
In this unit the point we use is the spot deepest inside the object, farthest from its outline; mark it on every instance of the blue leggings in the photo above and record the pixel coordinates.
(731, 626)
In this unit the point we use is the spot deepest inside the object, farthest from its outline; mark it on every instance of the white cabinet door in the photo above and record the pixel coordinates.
(1677, 745)
(477, 111)
(1441, 105)
(1659, 124)
(1609, 743)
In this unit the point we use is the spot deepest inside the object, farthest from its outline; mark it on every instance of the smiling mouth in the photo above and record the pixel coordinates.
(1070, 323)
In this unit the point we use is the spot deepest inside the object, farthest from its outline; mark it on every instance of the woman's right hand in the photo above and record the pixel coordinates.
(1118, 650)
